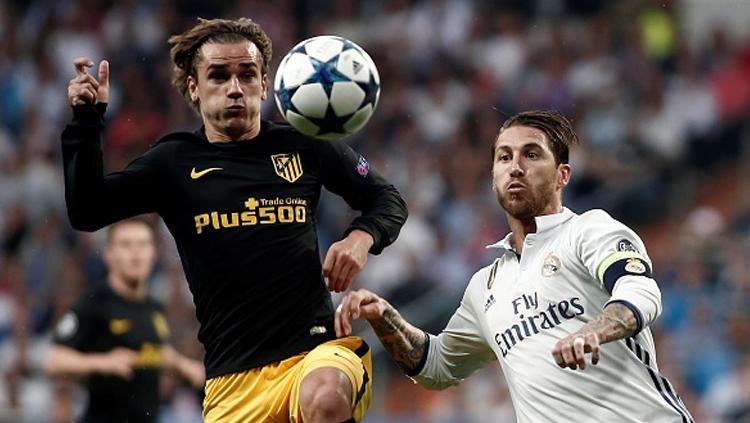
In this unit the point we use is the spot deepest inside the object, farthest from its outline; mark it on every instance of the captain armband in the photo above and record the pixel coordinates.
(622, 263)
(627, 276)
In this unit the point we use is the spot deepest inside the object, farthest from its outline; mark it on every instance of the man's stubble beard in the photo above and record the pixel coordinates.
(528, 204)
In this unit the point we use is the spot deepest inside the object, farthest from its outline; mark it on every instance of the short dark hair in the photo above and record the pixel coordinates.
(139, 220)
(185, 50)
(558, 128)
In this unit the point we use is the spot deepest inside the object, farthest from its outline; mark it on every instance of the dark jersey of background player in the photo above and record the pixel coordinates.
(102, 321)
(243, 215)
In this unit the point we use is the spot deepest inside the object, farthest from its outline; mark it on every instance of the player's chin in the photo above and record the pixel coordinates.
(235, 115)
(518, 207)
(236, 122)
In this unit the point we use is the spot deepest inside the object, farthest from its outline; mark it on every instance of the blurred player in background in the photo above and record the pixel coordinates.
(564, 285)
(240, 195)
(115, 336)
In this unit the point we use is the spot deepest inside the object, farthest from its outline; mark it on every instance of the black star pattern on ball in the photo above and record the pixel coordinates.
(330, 123)
(285, 97)
(371, 89)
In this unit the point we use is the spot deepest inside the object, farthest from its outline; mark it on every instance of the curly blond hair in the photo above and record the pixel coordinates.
(185, 49)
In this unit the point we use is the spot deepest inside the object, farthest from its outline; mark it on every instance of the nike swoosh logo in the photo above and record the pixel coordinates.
(197, 174)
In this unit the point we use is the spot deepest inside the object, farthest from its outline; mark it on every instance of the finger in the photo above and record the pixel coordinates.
(344, 279)
(329, 261)
(103, 93)
(557, 355)
(353, 304)
(337, 322)
(337, 273)
(87, 79)
(104, 73)
(85, 94)
(345, 318)
(568, 357)
(578, 352)
(75, 85)
(595, 348)
(81, 63)
(351, 273)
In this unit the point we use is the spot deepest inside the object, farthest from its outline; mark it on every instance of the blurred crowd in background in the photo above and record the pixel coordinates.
(659, 92)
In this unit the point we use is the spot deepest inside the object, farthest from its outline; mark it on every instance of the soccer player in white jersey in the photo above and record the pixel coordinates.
(563, 286)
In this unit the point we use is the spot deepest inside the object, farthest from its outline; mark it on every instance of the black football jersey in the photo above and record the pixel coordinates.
(243, 216)
(100, 321)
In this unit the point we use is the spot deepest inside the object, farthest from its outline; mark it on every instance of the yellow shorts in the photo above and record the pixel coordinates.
(270, 394)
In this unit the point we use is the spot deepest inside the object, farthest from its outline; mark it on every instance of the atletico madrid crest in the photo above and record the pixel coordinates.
(288, 166)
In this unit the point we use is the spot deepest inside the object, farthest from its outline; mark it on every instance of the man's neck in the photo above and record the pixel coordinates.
(130, 290)
(520, 227)
(215, 135)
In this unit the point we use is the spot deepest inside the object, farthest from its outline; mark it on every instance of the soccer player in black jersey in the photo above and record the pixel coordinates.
(114, 336)
(240, 195)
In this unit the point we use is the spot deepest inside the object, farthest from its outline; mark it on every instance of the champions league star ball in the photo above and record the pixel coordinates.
(327, 87)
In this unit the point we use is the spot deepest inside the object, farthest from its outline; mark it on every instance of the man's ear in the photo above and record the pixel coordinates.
(264, 84)
(563, 175)
(192, 88)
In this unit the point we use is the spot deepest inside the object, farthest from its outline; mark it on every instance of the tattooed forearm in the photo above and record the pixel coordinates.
(403, 342)
(615, 322)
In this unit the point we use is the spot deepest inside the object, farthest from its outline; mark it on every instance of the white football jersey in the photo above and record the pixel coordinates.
(516, 309)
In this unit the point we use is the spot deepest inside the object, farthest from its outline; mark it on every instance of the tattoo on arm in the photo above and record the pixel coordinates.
(403, 342)
(615, 322)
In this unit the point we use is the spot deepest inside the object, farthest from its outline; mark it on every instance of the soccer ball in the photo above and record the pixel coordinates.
(327, 87)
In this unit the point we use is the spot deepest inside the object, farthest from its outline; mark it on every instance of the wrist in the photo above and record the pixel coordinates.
(361, 237)
(383, 310)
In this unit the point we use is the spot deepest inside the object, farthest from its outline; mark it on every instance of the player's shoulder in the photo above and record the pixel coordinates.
(283, 132)
(93, 300)
(594, 214)
(481, 277)
(176, 139)
(594, 218)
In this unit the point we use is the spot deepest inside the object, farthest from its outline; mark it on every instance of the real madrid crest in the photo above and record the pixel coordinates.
(551, 265)
(634, 265)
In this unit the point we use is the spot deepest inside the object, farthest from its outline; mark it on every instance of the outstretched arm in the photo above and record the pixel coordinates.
(435, 362)
(404, 343)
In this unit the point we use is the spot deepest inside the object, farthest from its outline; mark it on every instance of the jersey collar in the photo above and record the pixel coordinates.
(543, 224)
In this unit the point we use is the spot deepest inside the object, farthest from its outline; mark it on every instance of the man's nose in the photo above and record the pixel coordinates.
(515, 168)
(235, 89)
